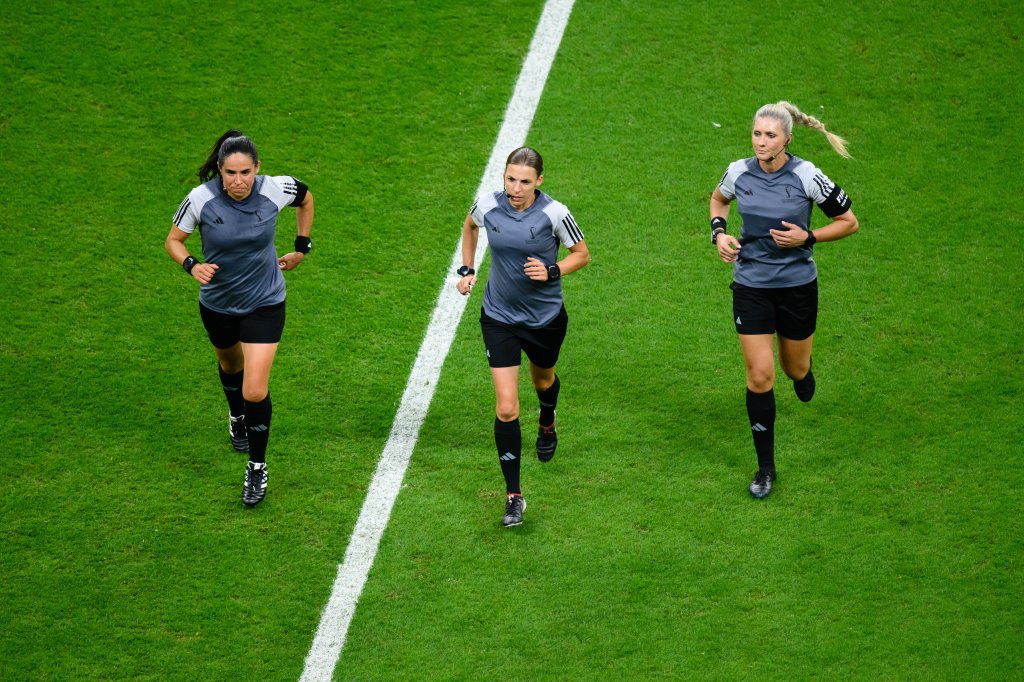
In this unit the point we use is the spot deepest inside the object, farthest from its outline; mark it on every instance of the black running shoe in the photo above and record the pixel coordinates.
(236, 430)
(255, 484)
(547, 441)
(514, 508)
(805, 387)
(761, 486)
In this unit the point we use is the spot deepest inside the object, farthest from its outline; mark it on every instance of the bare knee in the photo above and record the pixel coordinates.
(254, 396)
(542, 379)
(796, 370)
(229, 368)
(231, 363)
(254, 391)
(507, 411)
(543, 384)
(760, 381)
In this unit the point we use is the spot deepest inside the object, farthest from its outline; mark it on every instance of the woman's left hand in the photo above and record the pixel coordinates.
(790, 238)
(290, 260)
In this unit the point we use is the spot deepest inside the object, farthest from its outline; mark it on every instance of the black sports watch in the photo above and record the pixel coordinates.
(465, 271)
(554, 272)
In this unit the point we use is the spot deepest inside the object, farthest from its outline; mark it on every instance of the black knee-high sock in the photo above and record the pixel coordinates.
(509, 439)
(761, 411)
(257, 424)
(232, 384)
(548, 401)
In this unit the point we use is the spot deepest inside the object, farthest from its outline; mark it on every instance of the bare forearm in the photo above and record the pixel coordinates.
(470, 234)
(841, 226)
(175, 245)
(574, 261)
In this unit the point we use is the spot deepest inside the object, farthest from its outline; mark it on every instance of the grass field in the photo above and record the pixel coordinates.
(890, 549)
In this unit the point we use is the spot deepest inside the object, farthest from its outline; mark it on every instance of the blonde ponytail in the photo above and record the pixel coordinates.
(788, 113)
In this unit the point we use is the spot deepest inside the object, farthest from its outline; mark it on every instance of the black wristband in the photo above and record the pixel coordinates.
(717, 227)
(811, 239)
(189, 263)
(303, 244)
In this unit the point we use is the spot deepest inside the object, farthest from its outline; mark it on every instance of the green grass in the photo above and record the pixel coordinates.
(890, 548)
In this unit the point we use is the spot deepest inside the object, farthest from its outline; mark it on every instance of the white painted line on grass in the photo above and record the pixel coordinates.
(387, 479)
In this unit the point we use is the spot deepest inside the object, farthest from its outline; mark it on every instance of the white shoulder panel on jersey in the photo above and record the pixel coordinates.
(727, 186)
(187, 216)
(483, 205)
(563, 224)
(816, 184)
(281, 189)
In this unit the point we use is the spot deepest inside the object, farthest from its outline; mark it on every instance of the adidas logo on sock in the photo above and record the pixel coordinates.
(758, 427)
(507, 457)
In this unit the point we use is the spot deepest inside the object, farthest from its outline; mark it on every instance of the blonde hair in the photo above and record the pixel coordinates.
(786, 113)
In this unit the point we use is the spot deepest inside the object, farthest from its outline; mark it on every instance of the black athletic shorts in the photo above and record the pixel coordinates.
(263, 325)
(505, 343)
(790, 311)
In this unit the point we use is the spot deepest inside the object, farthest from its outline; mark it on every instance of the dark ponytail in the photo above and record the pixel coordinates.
(231, 142)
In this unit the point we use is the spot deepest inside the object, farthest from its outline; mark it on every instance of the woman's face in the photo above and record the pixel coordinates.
(768, 139)
(520, 181)
(238, 173)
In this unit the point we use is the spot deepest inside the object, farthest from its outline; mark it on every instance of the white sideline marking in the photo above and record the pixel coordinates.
(387, 479)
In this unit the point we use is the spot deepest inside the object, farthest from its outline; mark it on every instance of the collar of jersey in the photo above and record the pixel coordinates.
(507, 206)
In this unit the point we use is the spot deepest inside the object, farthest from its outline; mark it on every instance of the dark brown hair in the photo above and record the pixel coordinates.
(526, 156)
(231, 142)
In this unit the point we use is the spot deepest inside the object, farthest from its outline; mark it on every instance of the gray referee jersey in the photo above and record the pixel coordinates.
(512, 297)
(764, 200)
(238, 236)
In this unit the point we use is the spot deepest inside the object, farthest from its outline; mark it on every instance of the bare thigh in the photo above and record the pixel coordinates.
(506, 392)
(259, 358)
(759, 357)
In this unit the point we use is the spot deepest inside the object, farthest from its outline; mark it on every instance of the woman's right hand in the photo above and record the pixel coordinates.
(204, 272)
(728, 247)
(465, 285)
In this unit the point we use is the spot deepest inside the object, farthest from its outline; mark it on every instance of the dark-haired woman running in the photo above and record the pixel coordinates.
(241, 288)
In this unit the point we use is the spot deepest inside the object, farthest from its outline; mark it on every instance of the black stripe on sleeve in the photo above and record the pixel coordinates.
(824, 185)
(572, 228)
(182, 210)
